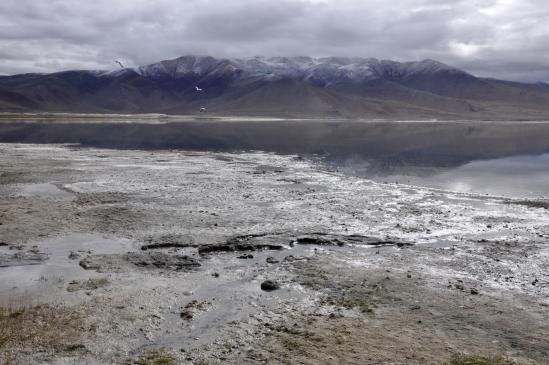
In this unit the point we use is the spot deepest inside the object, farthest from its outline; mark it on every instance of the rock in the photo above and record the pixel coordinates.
(276, 241)
(215, 274)
(163, 246)
(74, 255)
(320, 239)
(148, 260)
(415, 307)
(459, 286)
(271, 260)
(89, 264)
(325, 239)
(474, 291)
(168, 241)
(248, 256)
(251, 242)
(409, 276)
(269, 285)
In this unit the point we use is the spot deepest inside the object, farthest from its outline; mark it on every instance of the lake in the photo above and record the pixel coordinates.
(496, 158)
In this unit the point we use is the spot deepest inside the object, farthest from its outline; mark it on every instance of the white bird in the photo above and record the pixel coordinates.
(197, 88)
(120, 63)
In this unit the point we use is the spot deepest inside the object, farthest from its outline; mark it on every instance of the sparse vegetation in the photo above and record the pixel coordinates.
(191, 308)
(290, 343)
(460, 359)
(362, 305)
(42, 328)
(10, 311)
(155, 357)
(90, 284)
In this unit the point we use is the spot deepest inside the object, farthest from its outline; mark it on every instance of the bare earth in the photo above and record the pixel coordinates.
(138, 257)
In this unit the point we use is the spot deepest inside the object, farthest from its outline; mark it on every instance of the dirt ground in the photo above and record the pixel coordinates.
(140, 257)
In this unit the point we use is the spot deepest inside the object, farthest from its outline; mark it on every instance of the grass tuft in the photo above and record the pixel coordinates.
(460, 359)
(155, 357)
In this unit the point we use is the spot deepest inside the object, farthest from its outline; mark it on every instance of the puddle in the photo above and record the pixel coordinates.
(45, 191)
(234, 296)
(48, 279)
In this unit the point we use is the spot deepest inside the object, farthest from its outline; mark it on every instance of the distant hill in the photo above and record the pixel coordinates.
(279, 86)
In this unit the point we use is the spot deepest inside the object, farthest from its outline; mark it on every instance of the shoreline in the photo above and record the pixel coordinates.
(114, 117)
(217, 225)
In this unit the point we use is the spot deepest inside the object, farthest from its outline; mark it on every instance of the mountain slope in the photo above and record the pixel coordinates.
(279, 86)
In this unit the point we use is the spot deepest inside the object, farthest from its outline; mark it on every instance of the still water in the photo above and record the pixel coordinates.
(496, 158)
(521, 176)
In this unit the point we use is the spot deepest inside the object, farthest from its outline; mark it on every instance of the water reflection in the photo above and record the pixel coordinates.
(468, 156)
(519, 176)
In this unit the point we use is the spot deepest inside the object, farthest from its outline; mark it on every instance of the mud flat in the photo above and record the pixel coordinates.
(173, 257)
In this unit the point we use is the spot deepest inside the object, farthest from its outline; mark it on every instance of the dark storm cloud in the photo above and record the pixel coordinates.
(498, 38)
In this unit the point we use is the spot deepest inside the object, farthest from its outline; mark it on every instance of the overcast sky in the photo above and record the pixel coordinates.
(508, 39)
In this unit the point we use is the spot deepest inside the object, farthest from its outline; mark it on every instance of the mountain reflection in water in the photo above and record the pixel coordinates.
(499, 158)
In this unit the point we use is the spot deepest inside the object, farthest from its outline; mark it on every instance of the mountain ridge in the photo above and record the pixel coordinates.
(343, 87)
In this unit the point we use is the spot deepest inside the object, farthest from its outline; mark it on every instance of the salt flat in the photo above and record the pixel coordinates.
(368, 272)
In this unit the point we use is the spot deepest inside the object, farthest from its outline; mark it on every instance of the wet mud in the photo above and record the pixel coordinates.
(138, 257)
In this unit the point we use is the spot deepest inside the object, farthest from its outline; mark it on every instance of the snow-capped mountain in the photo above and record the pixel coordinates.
(322, 71)
(281, 86)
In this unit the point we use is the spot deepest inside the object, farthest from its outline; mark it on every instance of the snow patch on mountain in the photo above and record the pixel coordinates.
(324, 71)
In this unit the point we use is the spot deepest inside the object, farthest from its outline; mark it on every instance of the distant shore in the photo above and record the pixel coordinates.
(156, 117)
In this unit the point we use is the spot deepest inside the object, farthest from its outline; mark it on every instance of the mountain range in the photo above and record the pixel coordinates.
(328, 87)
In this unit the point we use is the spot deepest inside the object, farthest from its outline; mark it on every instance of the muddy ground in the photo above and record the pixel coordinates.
(139, 257)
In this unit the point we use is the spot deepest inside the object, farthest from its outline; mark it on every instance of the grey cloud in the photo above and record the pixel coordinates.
(497, 38)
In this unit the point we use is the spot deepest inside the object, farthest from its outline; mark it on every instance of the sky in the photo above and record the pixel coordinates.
(506, 39)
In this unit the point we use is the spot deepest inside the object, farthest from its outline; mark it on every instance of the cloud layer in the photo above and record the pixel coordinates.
(507, 39)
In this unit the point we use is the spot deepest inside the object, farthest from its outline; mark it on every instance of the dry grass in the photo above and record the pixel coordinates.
(460, 359)
(39, 329)
(155, 357)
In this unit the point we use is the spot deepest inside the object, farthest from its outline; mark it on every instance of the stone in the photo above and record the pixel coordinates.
(271, 260)
(269, 285)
